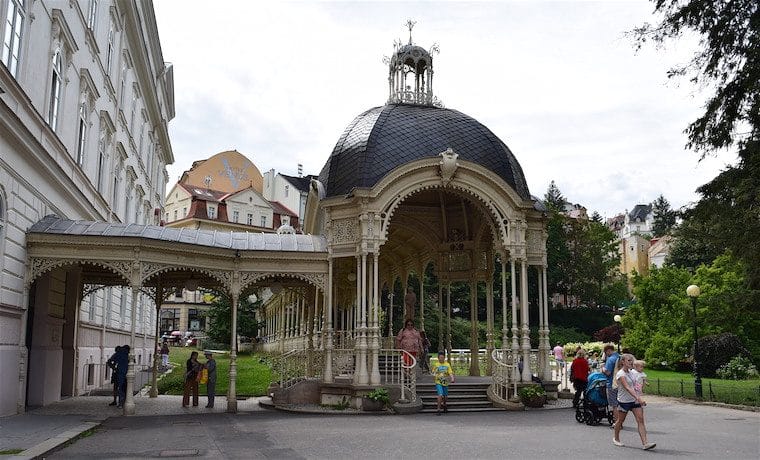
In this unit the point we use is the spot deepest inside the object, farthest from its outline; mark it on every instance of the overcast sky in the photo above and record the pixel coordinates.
(558, 82)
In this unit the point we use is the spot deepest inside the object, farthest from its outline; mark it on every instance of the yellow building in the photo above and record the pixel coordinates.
(228, 171)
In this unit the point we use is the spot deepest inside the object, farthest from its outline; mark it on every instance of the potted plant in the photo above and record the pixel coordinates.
(533, 396)
(376, 400)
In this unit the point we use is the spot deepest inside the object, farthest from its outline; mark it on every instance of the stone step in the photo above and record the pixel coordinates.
(432, 410)
(459, 397)
(461, 404)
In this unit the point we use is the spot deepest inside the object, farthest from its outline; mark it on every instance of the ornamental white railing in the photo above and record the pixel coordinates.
(296, 365)
(504, 376)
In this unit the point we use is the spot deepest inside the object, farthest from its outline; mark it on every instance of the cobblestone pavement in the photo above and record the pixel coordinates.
(680, 430)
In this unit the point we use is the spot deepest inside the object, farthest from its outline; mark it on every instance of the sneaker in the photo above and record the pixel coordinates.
(649, 445)
(618, 443)
(445, 408)
(437, 412)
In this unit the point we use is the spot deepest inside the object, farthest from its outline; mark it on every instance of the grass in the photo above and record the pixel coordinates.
(11, 451)
(253, 376)
(681, 384)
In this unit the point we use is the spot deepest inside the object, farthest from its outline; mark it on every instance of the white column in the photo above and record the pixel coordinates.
(374, 378)
(504, 329)
(129, 402)
(542, 353)
(422, 298)
(515, 331)
(231, 390)
(489, 322)
(474, 345)
(526, 374)
(328, 377)
(362, 377)
(547, 369)
(448, 321)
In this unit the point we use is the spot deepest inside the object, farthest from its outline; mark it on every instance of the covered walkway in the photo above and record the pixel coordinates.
(157, 261)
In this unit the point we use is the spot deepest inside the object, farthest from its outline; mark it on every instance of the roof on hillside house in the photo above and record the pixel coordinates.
(301, 183)
(243, 241)
(640, 212)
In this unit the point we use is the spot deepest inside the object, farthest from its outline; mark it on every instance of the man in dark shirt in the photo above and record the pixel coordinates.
(211, 382)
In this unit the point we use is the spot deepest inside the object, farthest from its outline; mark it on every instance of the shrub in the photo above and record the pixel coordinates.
(717, 350)
(380, 395)
(590, 348)
(739, 368)
(530, 395)
(609, 334)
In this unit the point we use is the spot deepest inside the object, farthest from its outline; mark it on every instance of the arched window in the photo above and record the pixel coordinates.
(14, 23)
(109, 51)
(56, 80)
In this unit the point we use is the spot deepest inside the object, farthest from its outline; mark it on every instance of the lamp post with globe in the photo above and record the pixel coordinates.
(693, 292)
(617, 319)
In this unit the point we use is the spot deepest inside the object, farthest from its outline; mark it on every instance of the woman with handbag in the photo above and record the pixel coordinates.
(192, 373)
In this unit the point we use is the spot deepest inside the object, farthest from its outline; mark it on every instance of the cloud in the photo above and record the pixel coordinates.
(557, 81)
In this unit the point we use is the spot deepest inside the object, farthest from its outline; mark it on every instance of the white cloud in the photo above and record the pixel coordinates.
(557, 81)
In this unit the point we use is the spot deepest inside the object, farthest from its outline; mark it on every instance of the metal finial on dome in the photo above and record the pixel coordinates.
(410, 73)
(410, 24)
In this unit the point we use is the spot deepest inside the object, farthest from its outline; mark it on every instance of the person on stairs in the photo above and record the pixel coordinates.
(444, 375)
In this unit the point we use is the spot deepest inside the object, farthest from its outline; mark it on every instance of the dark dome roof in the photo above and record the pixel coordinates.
(383, 138)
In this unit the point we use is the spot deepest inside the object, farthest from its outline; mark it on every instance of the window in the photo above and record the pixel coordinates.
(175, 214)
(211, 212)
(263, 221)
(109, 50)
(287, 189)
(250, 219)
(92, 14)
(115, 194)
(236, 216)
(56, 79)
(102, 160)
(184, 212)
(82, 134)
(132, 115)
(14, 22)
(285, 220)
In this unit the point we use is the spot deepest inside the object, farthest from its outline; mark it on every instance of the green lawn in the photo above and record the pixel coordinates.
(253, 375)
(681, 384)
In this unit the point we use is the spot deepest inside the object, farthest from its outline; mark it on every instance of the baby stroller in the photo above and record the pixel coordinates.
(594, 406)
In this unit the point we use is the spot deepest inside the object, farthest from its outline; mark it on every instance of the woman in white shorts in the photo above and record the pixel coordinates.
(629, 401)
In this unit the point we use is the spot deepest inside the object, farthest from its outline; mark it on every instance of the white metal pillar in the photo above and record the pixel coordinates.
(374, 378)
(129, 402)
(524, 318)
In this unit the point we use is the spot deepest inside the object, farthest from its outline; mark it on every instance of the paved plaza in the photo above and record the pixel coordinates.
(680, 430)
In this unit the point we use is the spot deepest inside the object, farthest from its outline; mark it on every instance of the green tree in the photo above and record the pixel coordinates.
(695, 243)
(728, 61)
(664, 217)
(596, 217)
(659, 325)
(220, 314)
(553, 198)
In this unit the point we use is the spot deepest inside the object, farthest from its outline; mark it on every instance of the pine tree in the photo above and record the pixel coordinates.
(553, 198)
(664, 217)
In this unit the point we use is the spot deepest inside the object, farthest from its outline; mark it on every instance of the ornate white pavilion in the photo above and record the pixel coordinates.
(410, 187)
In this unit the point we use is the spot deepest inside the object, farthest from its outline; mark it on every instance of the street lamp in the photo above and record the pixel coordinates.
(693, 292)
(617, 320)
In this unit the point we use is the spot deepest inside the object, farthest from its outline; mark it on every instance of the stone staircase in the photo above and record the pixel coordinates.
(463, 397)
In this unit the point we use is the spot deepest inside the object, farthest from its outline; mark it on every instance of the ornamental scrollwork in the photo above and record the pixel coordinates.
(344, 231)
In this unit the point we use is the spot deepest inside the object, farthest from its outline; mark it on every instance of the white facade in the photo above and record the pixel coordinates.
(83, 134)
(278, 188)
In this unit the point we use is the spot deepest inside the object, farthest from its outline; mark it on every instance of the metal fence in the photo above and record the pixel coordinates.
(711, 391)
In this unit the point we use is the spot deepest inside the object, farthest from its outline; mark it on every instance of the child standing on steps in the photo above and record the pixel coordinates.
(443, 376)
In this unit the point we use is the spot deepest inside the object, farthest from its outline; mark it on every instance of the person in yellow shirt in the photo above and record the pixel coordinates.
(443, 376)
